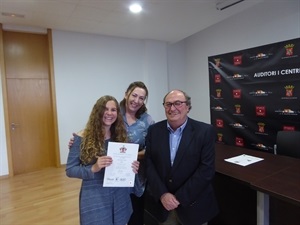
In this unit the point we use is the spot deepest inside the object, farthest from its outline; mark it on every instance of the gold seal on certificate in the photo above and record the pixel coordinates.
(119, 173)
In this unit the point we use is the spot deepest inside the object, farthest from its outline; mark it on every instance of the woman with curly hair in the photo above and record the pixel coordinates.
(87, 160)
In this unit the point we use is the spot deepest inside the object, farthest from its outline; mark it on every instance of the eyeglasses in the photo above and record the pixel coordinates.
(176, 104)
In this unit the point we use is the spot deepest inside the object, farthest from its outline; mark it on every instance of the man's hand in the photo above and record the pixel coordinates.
(71, 141)
(169, 201)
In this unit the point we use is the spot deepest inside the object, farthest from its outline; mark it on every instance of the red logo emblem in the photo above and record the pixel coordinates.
(237, 60)
(288, 128)
(217, 78)
(260, 111)
(219, 123)
(237, 93)
(239, 142)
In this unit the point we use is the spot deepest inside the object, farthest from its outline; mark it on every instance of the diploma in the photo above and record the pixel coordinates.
(119, 173)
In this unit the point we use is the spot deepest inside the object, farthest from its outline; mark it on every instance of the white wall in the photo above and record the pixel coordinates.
(177, 66)
(269, 22)
(88, 66)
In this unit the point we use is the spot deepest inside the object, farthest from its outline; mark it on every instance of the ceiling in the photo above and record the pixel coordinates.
(163, 20)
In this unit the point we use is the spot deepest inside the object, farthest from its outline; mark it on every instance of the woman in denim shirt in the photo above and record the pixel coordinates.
(137, 121)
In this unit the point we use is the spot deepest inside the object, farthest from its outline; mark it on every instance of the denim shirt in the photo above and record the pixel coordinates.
(137, 131)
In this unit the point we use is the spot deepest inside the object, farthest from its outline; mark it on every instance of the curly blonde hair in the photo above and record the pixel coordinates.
(93, 138)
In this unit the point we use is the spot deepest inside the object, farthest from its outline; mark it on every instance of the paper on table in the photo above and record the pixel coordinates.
(119, 173)
(243, 160)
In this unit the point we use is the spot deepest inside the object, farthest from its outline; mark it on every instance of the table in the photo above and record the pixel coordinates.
(289, 192)
(266, 176)
(253, 172)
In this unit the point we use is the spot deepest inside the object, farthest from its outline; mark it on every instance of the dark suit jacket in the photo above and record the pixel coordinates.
(190, 177)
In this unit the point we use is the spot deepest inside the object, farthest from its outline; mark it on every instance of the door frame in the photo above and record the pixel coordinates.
(5, 102)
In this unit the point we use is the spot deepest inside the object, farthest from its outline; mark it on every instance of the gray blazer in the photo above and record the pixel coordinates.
(99, 205)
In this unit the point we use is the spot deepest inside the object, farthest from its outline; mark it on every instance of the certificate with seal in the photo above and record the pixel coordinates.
(119, 173)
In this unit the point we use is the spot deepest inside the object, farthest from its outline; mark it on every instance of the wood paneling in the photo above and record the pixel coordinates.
(30, 112)
(26, 55)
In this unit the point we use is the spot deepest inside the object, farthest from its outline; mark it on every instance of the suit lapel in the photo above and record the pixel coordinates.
(165, 145)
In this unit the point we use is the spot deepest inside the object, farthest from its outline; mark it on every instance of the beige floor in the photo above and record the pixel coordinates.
(46, 197)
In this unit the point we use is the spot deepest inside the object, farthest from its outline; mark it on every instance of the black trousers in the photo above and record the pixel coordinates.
(137, 217)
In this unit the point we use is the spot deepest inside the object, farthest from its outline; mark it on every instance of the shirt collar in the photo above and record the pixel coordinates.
(180, 129)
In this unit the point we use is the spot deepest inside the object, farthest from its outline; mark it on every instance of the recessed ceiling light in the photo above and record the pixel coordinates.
(135, 8)
(15, 15)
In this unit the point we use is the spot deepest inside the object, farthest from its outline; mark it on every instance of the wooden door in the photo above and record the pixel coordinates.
(26, 60)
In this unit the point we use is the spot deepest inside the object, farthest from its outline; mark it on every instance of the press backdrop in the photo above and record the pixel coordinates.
(254, 93)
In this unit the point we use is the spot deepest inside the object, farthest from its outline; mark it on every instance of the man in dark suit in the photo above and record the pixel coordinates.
(180, 166)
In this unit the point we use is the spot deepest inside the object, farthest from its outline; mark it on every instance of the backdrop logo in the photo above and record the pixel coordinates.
(288, 128)
(219, 123)
(289, 49)
(261, 146)
(237, 93)
(237, 109)
(218, 108)
(237, 76)
(261, 55)
(220, 137)
(260, 111)
(238, 126)
(217, 78)
(217, 62)
(219, 93)
(237, 60)
(239, 141)
(261, 127)
(260, 93)
(289, 90)
(287, 112)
